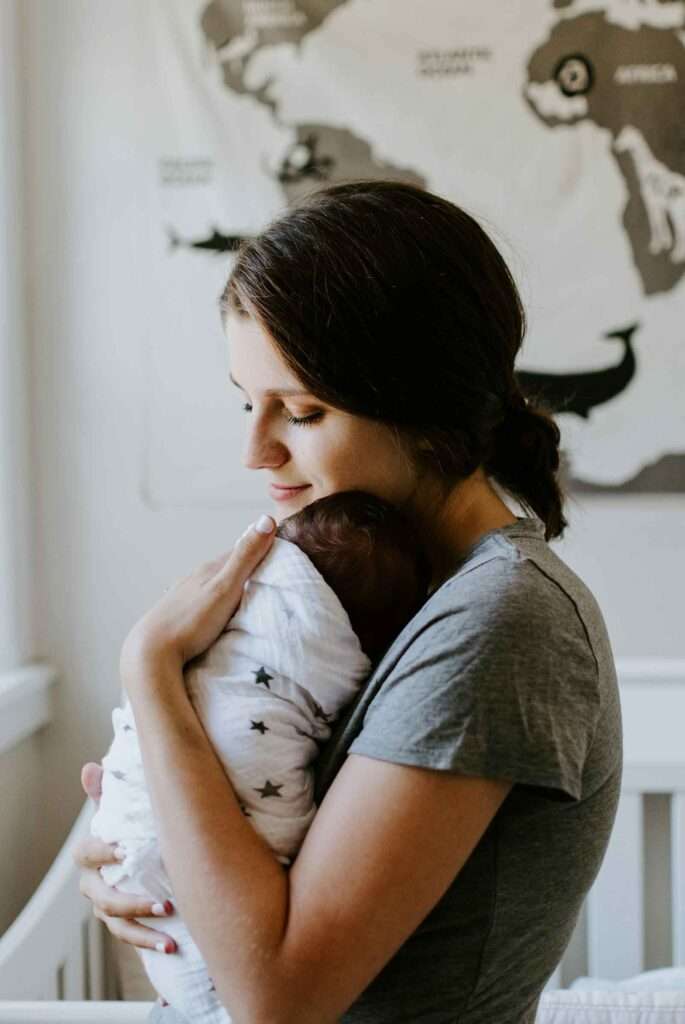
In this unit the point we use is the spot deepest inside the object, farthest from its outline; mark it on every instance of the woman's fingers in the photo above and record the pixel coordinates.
(91, 852)
(243, 559)
(118, 909)
(113, 903)
(136, 934)
(91, 780)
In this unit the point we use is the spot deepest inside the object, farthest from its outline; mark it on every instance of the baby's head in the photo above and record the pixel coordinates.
(370, 556)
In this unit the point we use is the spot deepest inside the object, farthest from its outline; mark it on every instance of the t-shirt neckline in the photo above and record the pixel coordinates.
(524, 526)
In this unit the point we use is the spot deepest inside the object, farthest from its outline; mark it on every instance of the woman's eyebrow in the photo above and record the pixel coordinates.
(272, 392)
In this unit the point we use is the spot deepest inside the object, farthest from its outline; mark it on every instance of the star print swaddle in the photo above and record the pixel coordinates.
(266, 694)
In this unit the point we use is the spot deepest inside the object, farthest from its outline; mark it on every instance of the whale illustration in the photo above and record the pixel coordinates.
(580, 392)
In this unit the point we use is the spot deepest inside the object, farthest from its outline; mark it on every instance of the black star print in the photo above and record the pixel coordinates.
(118, 775)
(212, 986)
(127, 728)
(259, 726)
(268, 789)
(262, 676)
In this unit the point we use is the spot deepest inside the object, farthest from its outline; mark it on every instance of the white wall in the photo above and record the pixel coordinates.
(102, 555)
(631, 553)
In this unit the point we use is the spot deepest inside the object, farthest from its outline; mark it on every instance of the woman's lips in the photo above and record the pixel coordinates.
(284, 493)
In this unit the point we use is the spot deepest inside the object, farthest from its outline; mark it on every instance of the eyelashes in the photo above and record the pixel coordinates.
(304, 421)
(299, 421)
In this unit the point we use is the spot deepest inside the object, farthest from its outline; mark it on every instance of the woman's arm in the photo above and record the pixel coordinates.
(383, 848)
(300, 947)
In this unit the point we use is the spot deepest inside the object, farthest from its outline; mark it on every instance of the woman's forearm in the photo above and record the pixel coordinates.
(228, 885)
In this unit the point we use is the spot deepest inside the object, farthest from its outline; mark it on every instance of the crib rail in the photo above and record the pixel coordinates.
(653, 707)
(74, 1013)
(554, 1008)
(56, 949)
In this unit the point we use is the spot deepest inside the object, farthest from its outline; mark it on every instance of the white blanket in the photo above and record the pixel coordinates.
(265, 693)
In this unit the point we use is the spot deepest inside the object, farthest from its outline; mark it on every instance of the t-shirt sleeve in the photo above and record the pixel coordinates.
(501, 683)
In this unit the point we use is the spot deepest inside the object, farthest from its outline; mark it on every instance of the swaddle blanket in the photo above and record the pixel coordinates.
(265, 693)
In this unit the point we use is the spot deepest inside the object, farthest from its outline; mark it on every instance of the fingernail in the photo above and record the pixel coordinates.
(158, 910)
(265, 524)
(120, 855)
(168, 906)
(166, 947)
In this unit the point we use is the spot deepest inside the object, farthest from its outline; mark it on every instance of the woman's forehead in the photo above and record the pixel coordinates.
(255, 361)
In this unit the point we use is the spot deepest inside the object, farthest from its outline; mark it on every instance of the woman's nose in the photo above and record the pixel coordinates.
(263, 452)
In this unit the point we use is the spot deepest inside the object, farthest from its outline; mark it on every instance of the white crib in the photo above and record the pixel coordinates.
(56, 963)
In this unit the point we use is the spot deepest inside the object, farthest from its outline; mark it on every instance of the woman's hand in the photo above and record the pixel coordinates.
(116, 909)
(180, 626)
(192, 613)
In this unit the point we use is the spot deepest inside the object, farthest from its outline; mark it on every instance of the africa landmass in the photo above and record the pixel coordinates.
(631, 83)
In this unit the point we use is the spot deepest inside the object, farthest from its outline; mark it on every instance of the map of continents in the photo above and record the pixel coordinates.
(619, 65)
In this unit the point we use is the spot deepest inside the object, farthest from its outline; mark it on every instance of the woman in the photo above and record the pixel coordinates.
(467, 796)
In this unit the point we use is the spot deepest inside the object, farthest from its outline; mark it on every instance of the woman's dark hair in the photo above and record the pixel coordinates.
(391, 302)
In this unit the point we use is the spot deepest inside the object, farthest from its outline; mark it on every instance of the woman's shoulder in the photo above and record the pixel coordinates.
(508, 646)
(513, 580)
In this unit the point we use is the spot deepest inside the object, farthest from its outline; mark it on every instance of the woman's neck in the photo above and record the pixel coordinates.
(449, 528)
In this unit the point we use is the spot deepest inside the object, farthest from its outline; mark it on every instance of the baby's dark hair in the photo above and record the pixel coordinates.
(370, 555)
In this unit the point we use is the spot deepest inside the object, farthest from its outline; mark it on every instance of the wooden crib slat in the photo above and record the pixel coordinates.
(72, 975)
(615, 914)
(50, 987)
(95, 954)
(678, 877)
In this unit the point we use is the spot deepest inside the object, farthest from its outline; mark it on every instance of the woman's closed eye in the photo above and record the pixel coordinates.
(301, 421)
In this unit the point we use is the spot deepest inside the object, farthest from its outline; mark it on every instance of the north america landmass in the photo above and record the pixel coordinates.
(237, 30)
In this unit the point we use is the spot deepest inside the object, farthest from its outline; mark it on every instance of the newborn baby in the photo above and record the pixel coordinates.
(342, 578)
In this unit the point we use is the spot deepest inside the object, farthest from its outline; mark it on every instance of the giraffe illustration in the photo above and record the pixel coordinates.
(663, 193)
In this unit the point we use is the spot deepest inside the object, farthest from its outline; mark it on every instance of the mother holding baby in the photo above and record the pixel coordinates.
(466, 796)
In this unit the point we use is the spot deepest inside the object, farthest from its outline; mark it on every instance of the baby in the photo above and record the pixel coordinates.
(342, 578)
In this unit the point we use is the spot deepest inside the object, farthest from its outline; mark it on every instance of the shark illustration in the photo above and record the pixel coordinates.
(216, 242)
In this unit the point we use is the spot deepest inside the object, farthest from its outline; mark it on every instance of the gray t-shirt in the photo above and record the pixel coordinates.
(505, 672)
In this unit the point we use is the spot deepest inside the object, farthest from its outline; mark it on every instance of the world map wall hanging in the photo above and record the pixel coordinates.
(559, 124)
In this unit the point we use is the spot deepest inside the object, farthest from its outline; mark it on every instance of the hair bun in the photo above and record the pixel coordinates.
(522, 419)
(531, 471)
